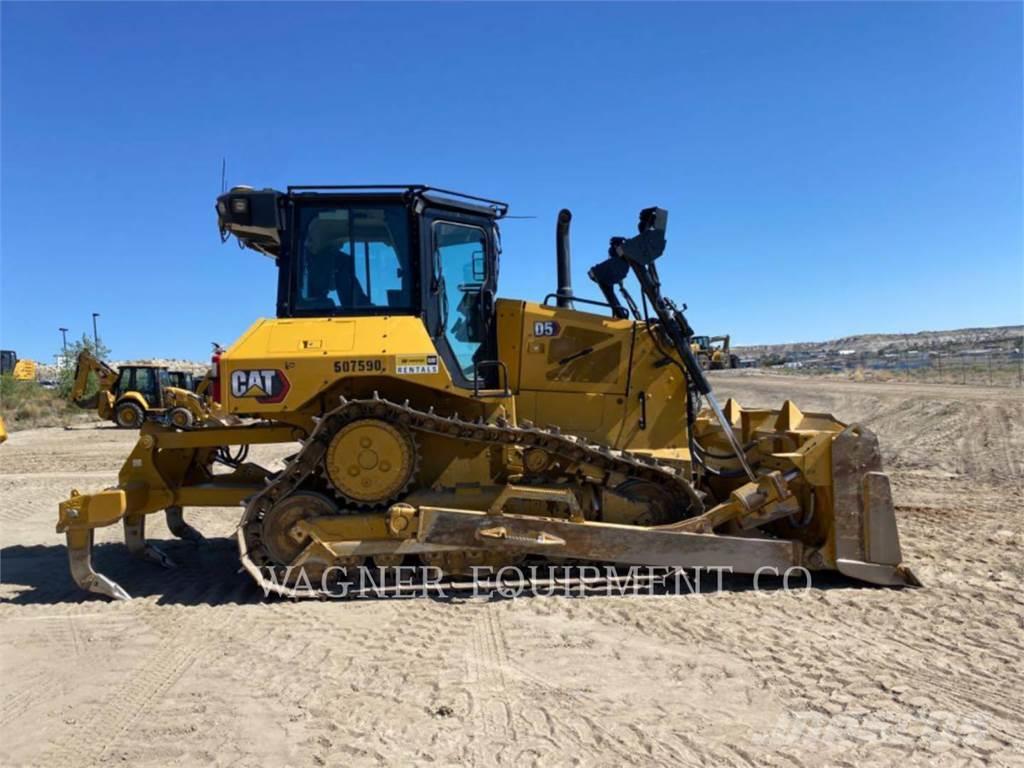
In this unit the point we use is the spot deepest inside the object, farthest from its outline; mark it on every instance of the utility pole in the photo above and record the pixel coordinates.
(64, 335)
(95, 335)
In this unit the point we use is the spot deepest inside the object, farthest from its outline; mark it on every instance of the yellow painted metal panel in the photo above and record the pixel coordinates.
(569, 351)
(281, 365)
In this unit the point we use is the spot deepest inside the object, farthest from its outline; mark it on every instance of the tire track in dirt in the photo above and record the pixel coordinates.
(486, 660)
(627, 751)
(847, 688)
(35, 689)
(183, 639)
(558, 725)
(57, 631)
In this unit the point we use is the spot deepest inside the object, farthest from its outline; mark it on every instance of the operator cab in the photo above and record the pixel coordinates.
(8, 359)
(149, 381)
(382, 250)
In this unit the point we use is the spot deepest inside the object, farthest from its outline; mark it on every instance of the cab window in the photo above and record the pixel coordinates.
(147, 384)
(353, 259)
(125, 382)
(460, 270)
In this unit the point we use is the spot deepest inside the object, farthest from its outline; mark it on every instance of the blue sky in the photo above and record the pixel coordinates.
(830, 169)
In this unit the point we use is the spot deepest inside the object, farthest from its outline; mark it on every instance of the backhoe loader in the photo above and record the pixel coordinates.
(713, 352)
(433, 423)
(134, 393)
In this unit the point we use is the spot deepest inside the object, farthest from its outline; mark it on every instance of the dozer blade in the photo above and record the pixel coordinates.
(846, 518)
(865, 540)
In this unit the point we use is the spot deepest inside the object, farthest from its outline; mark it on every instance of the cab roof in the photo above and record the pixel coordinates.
(432, 196)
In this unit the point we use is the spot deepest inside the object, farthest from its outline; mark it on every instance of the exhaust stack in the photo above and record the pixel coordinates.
(564, 259)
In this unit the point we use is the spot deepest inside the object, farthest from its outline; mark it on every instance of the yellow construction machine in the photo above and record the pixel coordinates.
(713, 353)
(434, 423)
(18, 369)
(132, 394)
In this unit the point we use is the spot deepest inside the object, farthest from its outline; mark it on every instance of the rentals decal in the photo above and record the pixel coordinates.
(267, 385)
(406, 365)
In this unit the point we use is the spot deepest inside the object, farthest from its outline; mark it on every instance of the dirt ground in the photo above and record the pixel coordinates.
(198, 669)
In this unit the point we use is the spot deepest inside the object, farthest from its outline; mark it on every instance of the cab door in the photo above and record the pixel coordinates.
(460, 285)
(147, 384)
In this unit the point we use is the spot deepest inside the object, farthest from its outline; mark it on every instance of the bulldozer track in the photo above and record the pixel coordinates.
(572, 451)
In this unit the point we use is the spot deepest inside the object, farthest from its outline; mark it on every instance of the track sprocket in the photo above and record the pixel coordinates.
(370, 462)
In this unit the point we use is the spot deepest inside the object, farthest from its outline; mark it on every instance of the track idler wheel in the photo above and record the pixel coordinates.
(284, 543)
(659, 503)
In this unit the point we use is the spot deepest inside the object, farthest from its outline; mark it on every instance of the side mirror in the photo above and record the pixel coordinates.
(479, 266)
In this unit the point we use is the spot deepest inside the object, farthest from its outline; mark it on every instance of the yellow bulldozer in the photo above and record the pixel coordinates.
(132, 394)
(436, 424)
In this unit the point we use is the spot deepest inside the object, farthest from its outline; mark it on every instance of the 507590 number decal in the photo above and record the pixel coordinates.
(369, 365)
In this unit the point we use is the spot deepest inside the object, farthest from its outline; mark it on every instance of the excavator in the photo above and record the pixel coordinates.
(132, 394)
(435, 424)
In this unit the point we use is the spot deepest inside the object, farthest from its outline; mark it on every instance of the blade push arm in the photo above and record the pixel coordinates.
(640, 252)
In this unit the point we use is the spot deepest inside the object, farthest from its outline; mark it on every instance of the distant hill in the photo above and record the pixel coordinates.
(1006, 337)
(52, 373)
